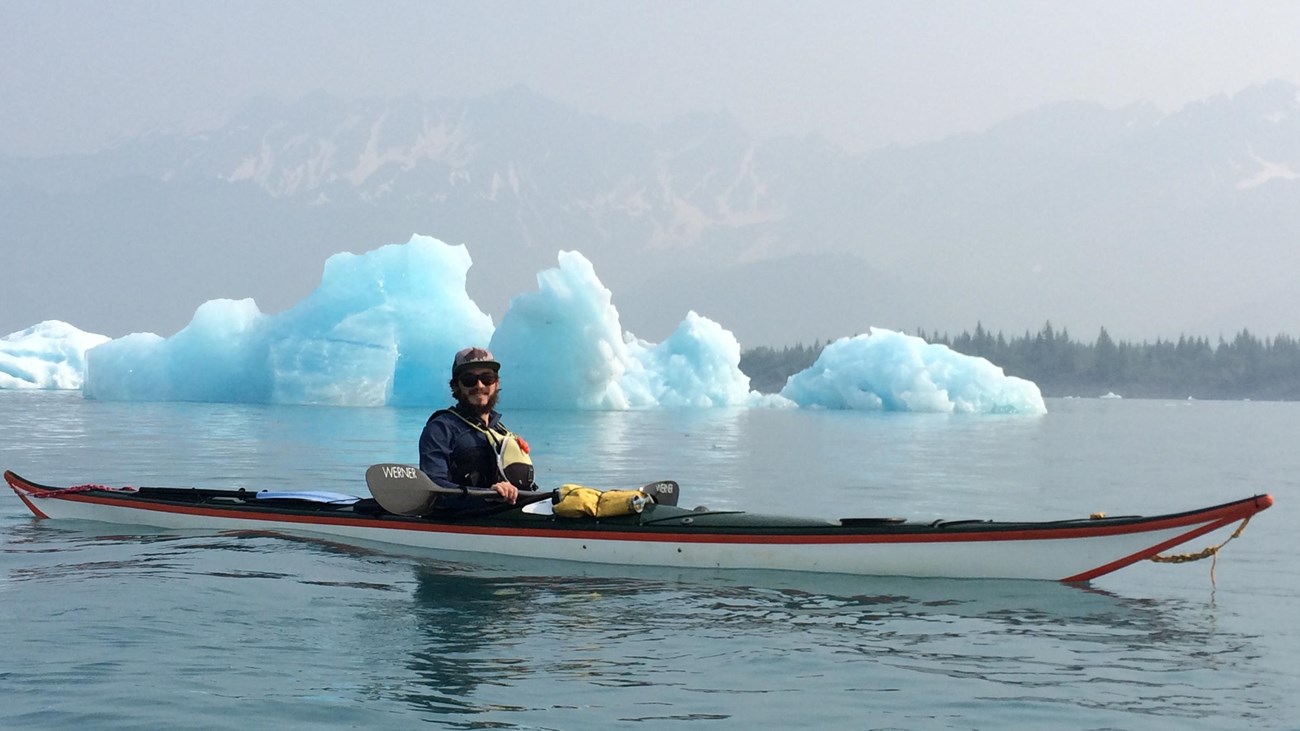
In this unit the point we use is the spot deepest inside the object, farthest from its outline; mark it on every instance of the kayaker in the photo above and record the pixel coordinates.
(466, 445)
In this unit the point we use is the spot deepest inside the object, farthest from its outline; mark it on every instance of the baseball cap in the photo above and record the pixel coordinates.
(473, 357)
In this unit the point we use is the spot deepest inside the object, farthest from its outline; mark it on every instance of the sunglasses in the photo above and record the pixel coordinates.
(467, 380)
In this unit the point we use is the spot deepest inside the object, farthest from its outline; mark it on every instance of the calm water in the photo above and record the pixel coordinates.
(107, 627)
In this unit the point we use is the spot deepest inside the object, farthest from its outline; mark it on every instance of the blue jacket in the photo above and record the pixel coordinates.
(456, 455)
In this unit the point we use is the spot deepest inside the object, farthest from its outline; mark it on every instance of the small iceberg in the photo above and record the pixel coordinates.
(48, 355)
(884, 370)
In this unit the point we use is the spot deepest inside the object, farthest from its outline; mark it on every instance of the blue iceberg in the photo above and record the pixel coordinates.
(883, 370)
(49, 355)
(382, 327)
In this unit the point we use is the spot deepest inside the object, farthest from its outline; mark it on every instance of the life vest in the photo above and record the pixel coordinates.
(513, 463)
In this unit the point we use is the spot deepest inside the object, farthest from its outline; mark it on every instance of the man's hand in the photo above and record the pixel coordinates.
(507, 491)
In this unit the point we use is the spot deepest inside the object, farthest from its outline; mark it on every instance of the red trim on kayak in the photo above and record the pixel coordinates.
(1148, 552)
(1260, 502)
(24, 490)
(28, 502)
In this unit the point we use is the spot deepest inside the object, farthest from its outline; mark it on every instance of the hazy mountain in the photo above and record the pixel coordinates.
(1147, 223)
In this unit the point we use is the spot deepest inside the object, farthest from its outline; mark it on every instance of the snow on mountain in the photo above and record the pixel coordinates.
(1143, 221)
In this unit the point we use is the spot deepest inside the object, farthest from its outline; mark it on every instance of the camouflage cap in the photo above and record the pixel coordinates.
(473, 358)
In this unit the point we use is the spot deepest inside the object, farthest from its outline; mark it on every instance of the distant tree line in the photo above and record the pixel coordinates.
(768, 368)
(1244, 367)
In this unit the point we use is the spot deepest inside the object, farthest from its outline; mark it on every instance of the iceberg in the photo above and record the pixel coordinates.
(49, 355)
(884, 370)
(379, 330)
(564, 347)
(382, 327)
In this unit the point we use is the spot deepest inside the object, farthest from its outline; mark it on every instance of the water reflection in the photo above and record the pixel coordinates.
(480, 642)
(722, 457)
(485, 628)
(728, 457)
(468, 626)
(200, 444)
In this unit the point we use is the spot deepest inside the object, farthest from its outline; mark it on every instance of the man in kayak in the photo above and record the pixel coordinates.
(467, 446)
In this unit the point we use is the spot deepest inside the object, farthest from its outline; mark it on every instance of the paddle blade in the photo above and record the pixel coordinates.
(664, 492)
(401, 489)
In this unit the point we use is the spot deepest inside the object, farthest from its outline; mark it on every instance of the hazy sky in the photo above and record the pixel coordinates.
(75, 74)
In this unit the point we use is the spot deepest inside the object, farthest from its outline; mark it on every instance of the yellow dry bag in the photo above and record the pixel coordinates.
(578, 501)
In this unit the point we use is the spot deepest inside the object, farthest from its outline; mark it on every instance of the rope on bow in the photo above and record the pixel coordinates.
(1211, 552)
(80, 488)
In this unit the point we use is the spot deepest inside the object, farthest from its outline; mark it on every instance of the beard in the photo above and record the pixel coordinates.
(466, 406)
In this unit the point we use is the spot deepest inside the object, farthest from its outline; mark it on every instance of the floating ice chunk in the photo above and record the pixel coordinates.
(562, 347)
(381, 328)
(48, 355)
(890, 371)
(697, 366)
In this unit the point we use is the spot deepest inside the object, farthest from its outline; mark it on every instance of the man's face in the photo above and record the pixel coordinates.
(477, 388)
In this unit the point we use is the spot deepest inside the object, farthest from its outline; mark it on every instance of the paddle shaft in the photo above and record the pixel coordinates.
(406, 490)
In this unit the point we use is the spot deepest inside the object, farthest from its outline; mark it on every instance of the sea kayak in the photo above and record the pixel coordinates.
(1073, 550)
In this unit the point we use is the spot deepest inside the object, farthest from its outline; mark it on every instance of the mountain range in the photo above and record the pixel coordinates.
(1147, 223)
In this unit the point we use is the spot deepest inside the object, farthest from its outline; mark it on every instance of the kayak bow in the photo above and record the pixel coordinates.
(1073, 550)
